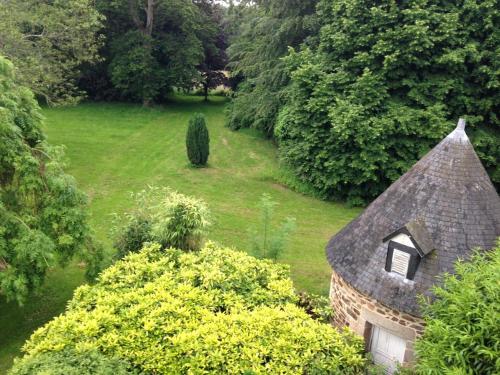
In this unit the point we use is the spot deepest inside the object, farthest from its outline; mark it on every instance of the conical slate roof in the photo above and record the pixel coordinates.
(448, 191)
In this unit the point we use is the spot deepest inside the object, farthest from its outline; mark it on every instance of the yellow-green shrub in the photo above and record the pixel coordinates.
(216, 311)
(70, 362)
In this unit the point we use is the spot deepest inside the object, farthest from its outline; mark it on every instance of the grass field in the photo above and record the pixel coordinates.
(114, 149)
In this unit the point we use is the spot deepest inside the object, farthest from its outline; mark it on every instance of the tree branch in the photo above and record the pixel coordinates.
(135, 16)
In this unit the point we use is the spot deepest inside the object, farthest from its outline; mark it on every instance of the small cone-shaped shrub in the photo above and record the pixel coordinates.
(197, 140)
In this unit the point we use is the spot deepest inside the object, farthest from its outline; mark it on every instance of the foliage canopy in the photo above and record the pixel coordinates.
(263, 32)
(462, 335)
(42, 213)
(385, 83)
(154, 46)
(214, 311)
(49, 42)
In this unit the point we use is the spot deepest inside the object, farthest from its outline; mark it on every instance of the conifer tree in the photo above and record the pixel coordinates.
(197, 140)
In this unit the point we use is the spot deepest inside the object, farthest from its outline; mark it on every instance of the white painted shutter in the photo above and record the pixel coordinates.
(400, 261)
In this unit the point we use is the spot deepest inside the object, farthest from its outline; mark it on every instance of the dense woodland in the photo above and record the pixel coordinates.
(351, 97)
(351, 93)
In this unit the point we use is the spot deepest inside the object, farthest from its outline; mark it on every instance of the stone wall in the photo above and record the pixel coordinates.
(361, 313)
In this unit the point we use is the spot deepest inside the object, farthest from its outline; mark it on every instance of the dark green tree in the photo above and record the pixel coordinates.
(261, 33)
(386, 82)
(153, 47)
(215, 43)
(462, 335)
(43, 218)
(197, 140)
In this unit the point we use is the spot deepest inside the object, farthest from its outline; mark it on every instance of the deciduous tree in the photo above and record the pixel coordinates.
(153, 46)
(43, 220)
(49, 41)
(386, 82)
(215, 43)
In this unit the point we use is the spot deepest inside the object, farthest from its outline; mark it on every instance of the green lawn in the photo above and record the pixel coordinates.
(114, 149)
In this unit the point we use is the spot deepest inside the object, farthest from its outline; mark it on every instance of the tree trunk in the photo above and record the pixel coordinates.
(205, 91)
(149, 17)
(146, 29)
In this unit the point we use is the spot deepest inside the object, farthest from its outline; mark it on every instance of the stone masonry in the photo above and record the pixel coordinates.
(359, 312)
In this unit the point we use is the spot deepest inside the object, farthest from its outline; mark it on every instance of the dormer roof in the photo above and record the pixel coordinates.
(418, 234)
(447, 204)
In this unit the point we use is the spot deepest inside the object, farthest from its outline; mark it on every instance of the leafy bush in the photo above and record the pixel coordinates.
(163, 216)
(462, 335)
(266, 241)
(70, 362)
(131, 234)
(197, 140)
(216, 311)
(387, 81)
(317, 307)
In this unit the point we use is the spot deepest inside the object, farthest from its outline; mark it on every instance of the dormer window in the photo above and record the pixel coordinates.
(402, 260)
(406, 247)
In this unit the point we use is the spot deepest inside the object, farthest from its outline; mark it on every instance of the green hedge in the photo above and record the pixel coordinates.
(215, 311)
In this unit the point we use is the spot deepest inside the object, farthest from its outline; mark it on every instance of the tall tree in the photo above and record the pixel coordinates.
(48, 41)
(152, 46)
(386, 82)
(42, 214)
(215, 43)
(266, 29)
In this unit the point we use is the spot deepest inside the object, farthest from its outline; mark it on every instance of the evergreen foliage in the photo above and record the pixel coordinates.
(42, 214)
(49, 42)
(268, 241)
(462, 335)
(217, 311)
(197, 140)
(386, 82)
(264, 31)
(71, 362)
(163, 216)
